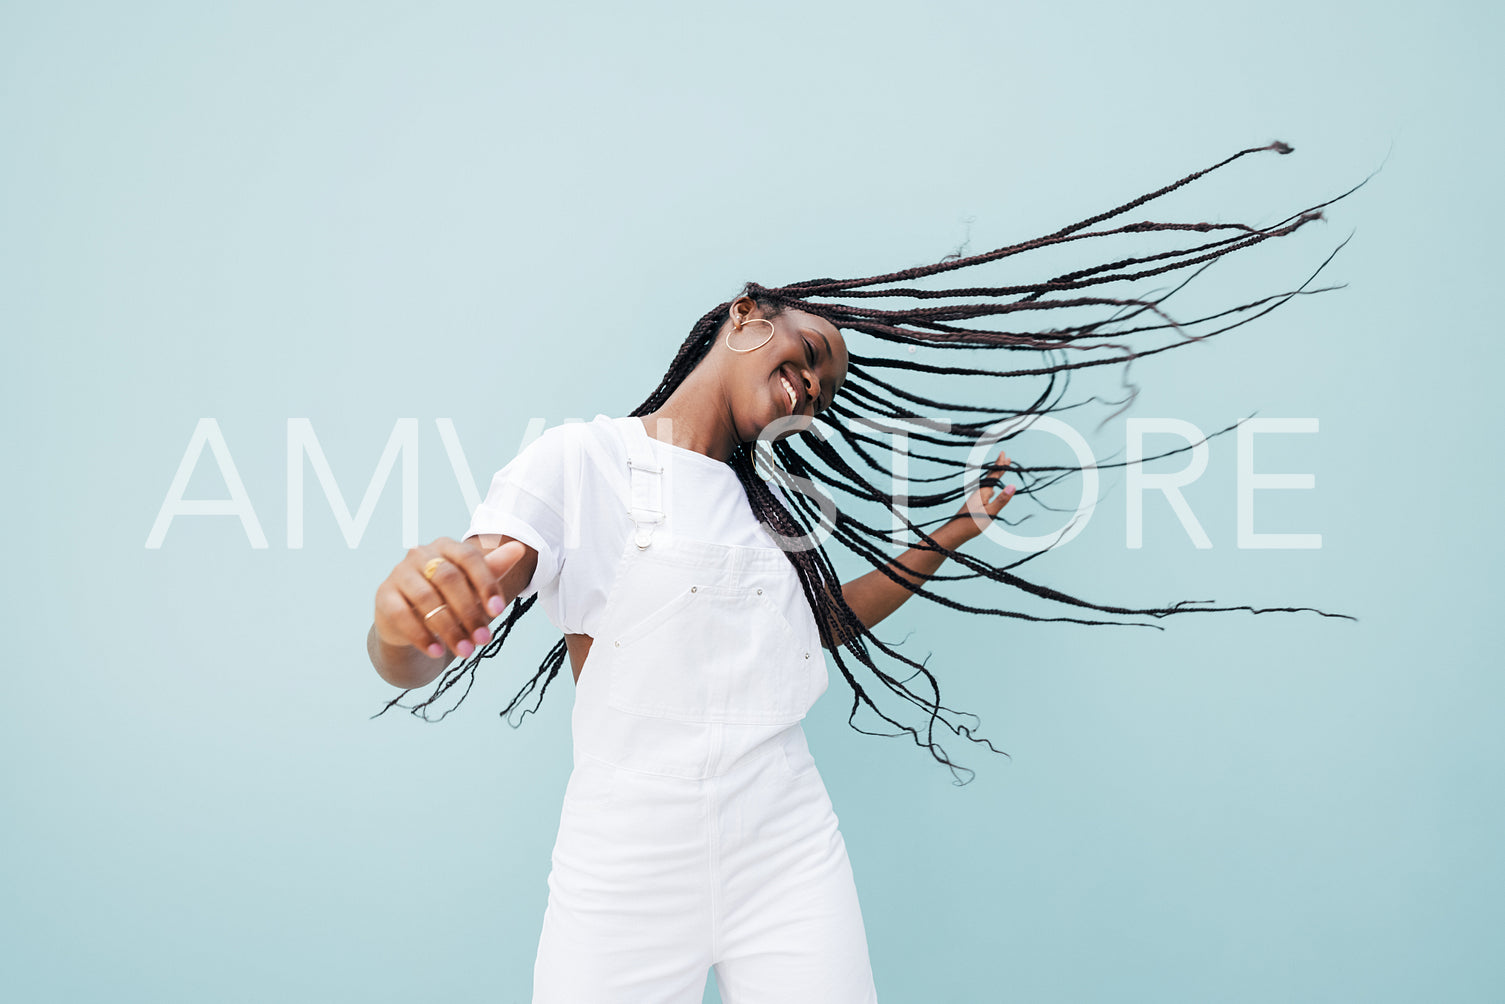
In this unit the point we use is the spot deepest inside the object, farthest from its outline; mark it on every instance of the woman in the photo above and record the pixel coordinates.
(696, 831)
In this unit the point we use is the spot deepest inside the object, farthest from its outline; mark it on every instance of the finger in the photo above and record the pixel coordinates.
(994, 471)
(1000, 500)
(504, 562)
(393, 611)
(458, 593)
(471, 560)
(443, 621)
(513, 563)
(425, 600)
(501, 559)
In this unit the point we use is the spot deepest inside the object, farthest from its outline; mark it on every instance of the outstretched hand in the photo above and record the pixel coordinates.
(442, 596)
(980, 508)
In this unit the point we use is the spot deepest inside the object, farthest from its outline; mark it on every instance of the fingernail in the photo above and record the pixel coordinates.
(464, 648)
(436, 650)
(496, 605)
(1008, 489)
(482, 635)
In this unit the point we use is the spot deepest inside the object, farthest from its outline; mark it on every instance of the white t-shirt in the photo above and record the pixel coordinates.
(566, 496)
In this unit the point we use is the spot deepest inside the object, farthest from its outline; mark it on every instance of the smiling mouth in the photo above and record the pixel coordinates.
(794, 398)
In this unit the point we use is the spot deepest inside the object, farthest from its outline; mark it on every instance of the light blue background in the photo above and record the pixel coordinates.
(356, 213)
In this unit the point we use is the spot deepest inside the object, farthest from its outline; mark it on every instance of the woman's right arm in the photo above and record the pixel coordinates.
(473, 583)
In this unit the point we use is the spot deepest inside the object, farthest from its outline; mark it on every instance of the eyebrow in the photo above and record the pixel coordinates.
(829, 355)
(828, 344)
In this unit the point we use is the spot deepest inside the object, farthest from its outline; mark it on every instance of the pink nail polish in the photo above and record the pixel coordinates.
(436, 650)
(464, 648)
(1008, 490)
(482, 635)
(496, 605)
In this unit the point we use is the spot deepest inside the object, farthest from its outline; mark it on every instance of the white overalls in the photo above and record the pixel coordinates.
(696, 830)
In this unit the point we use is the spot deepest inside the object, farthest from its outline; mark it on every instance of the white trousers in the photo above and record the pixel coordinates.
(657, 879)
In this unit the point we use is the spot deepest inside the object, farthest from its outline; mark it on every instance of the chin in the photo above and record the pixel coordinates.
(783, 426)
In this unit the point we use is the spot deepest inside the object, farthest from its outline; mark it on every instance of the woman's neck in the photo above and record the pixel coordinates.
(695, 417)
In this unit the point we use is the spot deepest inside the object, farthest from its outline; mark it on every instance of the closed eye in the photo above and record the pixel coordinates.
(810, 357)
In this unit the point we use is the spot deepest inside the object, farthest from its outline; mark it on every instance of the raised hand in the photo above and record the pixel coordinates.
(981, 506)
(443, 596)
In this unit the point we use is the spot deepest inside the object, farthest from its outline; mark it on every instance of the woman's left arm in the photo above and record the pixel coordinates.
(874, 596)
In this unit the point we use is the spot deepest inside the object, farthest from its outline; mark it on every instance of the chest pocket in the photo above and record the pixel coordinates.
(709, 653)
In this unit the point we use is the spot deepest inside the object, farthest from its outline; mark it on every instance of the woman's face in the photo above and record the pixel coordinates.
(789, 379)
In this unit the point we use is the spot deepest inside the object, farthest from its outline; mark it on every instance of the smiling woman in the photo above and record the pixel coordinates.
(748, 383)
(697, 600)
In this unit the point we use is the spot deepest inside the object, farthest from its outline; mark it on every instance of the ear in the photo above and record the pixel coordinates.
(743, 308)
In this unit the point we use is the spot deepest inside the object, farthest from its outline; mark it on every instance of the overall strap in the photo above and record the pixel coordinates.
(645, 496)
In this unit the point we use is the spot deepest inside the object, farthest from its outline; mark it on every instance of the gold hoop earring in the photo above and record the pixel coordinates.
(755, 347)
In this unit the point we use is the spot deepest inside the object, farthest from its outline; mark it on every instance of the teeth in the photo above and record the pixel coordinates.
(789, 389)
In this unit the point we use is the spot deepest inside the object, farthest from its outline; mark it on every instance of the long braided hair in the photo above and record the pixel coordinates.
(873, 403)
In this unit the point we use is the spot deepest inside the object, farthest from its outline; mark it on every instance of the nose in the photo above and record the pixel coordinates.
(812, 388)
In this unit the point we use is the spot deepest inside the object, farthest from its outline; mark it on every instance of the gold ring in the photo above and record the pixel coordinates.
(434, 611)
(430, 567)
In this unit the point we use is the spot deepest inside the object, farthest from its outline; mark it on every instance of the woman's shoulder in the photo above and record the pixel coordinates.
(572, 436)
(601, 447)
(572, 453)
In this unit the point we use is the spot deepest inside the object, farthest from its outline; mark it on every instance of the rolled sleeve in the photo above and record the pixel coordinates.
(488, 520)
(525, 501)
